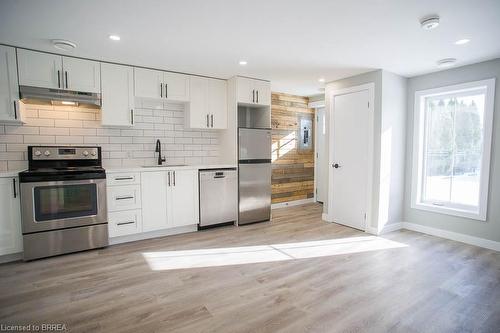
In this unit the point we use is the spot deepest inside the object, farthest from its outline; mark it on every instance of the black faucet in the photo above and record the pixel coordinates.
(158, 150)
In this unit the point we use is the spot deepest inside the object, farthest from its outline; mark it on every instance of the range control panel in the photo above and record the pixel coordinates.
(64, 153)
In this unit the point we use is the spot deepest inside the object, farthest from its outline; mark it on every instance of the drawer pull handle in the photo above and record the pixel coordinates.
(124, 178)
(124, 198)
(125, 223)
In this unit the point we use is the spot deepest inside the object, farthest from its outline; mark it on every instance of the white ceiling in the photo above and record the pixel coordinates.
(290, 42)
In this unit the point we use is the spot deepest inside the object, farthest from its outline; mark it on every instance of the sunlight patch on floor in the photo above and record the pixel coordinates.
(167, 260)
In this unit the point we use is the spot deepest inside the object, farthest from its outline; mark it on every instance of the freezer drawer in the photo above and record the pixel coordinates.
(255, 144)
(218, 196)
(255, 192)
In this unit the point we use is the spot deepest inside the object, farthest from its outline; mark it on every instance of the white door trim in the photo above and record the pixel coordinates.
(371, 97)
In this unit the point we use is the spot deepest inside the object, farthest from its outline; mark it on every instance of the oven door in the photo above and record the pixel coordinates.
(63, 204)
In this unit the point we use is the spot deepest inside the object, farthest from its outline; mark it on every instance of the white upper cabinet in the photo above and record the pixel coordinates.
(9, 87)
(39, 69)
(176, 86)
(252, 91)
(183, 206)
(54, 71)
(165, 85)
(154, 200)
(207, 104)
(10, 216)
(262, 92)
(148, 83)
(81, 75)
(217, 103)
(117, 95)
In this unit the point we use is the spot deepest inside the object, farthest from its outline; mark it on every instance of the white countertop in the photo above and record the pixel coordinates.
(12, 173)
(172, 167)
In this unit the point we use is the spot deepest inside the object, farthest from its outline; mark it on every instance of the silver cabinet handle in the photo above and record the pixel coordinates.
(212, 120)
(207, 121)
(125, 223)
(124, 178)
(161, 90)
(166, 90)
(124, 197)
(15, 110)
(132, 116)
(58, 79)
(14, 187)
(66, 76)
(253, 96)
(174, 178)
(257, 96)
(169, 178)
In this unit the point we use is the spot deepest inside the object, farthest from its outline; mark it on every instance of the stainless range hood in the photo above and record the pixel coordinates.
(28, 93)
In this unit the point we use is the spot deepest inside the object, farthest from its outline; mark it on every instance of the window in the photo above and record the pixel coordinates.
(452, 144)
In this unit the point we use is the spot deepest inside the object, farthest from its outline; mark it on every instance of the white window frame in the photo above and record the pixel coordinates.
(418, 149)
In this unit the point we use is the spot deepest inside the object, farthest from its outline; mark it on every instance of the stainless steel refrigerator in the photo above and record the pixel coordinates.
(254, 175)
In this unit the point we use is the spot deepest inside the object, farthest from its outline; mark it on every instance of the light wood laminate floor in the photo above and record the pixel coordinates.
(331, 279)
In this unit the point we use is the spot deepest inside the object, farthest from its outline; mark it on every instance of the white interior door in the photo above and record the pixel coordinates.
(321, 163)
(350, 140)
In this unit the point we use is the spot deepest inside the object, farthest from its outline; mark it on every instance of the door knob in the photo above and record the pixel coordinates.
(336, 166)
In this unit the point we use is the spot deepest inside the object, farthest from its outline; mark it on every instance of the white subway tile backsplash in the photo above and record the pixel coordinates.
(46, 124)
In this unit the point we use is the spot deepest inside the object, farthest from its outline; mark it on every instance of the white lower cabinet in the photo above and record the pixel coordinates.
(154, 200)
(124, 197)
(182, 198)
(149, 201)
(124, 223)
(10, 216)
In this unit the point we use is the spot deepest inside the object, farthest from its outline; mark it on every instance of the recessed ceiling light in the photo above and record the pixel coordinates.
(321, 80)
(114, 37)
(243, 62)
(429, 22)
(64, 45)
(448, 62)
(462, 41)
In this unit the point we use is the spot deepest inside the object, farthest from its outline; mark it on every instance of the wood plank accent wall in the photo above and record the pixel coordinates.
(293, 168)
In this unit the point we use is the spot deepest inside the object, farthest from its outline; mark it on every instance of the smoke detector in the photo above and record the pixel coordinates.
(64, 45)
(448, 62)
(429, 22)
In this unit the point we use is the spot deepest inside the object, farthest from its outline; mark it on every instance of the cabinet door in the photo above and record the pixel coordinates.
(38, 69)
(176, 87)
(217, 103)
(197, 112)
(148, 83)
(124, 197)
(262, 92)
(82, 75)
(10, 217)
(117, 95)
(9, 86)
(245, 90)
(183, 206)
(154, 200)
(123, 223)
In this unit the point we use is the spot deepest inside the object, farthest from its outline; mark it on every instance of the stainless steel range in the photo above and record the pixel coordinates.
(63, 201)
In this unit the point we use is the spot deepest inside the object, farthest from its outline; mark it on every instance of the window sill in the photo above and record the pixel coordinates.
(474, 215)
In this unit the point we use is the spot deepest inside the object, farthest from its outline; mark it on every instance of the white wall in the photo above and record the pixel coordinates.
(489, 229)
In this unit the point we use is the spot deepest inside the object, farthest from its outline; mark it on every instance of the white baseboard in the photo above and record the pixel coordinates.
(326, 217)
(372, 230)
(292, 203)
(391, 227)
(472, 240)
(11, 257)
(153, 234)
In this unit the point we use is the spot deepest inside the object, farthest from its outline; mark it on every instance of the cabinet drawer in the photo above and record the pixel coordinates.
(124, 223)
(125, 178)
(124, 197)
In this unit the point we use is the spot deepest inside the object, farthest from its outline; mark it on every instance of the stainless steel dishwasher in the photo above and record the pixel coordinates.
(218, 196)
